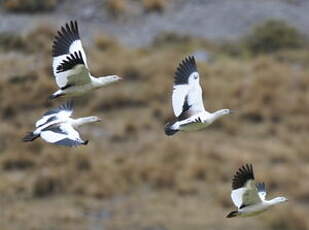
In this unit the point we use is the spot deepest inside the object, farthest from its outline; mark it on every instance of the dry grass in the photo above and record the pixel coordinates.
(119, 8)
(140, 178)
(116, 7)
(29, 5)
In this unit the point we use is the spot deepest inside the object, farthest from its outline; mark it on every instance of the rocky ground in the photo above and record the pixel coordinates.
(212, 19)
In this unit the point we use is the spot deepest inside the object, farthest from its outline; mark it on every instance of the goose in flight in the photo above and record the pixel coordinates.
(248, 196)
(57, 127)
(70, 66)
(187, 101)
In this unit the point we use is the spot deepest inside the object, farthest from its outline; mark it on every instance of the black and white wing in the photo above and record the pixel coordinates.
(69, 58)
(187, 92)
(62, 112)
(244, 191)
(64, 134)
(261, 190)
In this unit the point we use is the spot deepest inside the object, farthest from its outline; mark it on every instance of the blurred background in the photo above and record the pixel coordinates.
(253, 58)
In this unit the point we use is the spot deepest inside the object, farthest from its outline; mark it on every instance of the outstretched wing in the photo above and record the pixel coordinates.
(61, 112)
(244, 191)
(261, 190)
(64, 134)
(69, 58)
(187, 89)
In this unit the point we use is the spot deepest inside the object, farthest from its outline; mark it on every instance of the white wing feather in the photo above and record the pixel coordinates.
(247, 195)
(52, 137)
(195, 99)
(178, 98)
(262, 195)
(69, 136)
(237, 195)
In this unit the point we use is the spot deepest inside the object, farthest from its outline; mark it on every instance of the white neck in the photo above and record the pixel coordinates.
(105, 80)
(273, 201)
(217, 114)
(81, 121)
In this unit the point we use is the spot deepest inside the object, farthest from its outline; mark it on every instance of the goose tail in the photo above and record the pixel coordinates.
(169, 129)
(232, 214)
(30, 137)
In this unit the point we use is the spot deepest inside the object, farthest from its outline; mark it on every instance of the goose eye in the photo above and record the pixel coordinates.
(195, 76)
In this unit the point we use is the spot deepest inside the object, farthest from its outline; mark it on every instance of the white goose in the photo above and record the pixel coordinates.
(57, 127)
(70, 66)
(248, 197)
(187, 101)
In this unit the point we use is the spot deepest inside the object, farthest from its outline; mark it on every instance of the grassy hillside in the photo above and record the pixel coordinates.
(132, 176)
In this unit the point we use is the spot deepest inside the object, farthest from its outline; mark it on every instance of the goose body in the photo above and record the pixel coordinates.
(57, 127)
(70, 66)
(248, 196)
(187, 101)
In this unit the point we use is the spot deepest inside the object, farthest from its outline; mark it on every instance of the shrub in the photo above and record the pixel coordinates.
(155, 5)
(272, 36)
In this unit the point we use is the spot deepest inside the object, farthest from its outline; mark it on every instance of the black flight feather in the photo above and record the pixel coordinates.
(64, 38)
(184, 70)
(242, 176)
(72, 60)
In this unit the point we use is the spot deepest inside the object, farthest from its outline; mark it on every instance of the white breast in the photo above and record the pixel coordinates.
(78, 90)
(253, 209)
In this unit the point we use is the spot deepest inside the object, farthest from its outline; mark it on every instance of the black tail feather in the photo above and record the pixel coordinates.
(232, 214)
(30, 137)
(168, 129)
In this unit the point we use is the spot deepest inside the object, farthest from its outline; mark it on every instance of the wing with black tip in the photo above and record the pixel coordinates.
(187, 89)
(69, 58)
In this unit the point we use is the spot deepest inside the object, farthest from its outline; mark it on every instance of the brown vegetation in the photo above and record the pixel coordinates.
(119, 8)
(131, 176)
(155, 5)
(272, 36)
(116, 7)
(266, 38)
(29, 5)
